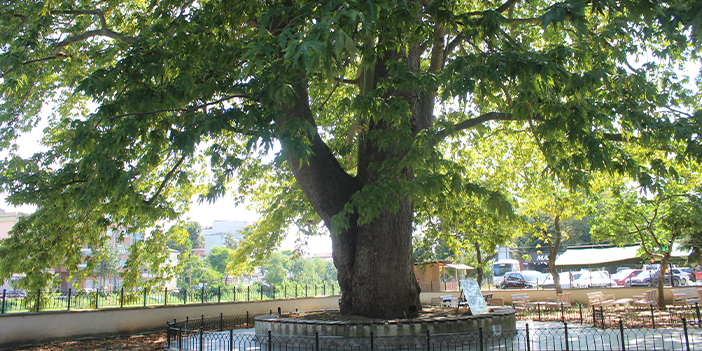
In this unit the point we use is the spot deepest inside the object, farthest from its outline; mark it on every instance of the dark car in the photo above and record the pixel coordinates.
(650, 278)
(522, 280)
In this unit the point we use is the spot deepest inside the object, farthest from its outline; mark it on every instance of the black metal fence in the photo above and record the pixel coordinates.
(39, 300)
(608, 317)
(211, 334)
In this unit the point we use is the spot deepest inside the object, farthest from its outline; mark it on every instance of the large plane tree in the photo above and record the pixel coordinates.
(151, 103)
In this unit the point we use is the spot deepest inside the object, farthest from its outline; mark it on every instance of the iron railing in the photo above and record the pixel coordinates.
(205, 335)
(39, 300)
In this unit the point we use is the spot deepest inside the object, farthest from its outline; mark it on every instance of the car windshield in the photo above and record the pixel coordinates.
(501, 269)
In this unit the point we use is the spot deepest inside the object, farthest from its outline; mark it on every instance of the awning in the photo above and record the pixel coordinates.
(600, 256)
(459, 266)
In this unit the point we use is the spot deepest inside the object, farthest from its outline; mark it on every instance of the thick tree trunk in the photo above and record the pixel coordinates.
(374, 260)
(380, 282)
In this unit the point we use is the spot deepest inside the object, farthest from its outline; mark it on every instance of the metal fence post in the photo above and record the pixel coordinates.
(2, 311)
(687, 341)
(316, 341)
(121, 299)
(594, 317)
(202, 294)
(428, 343)
(371, 340)
(248, 293)
(562, 313)
(219, 294)
(165, 296)
(201, 343)
(565, 329)
(480, 337)
(603, 317)
(180, 338)
(68, 308)
(202, 320)
(144, 297)
(231, 339)
(697, 309)
(653, 317)
(270, 341)
(221, 321)
(538, 310)
(580, 306)
(97, 297)
(621, 333)
(528, 344)
(168, 334)
(39, 299)
(261, 287)
(247, 319)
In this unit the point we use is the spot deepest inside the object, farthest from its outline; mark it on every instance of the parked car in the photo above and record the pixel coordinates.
(564, 277)
(522, 280)
(595, 279)
(621, 278)
(650, 278)
(691, 272)
(684, 276)
(15, 294)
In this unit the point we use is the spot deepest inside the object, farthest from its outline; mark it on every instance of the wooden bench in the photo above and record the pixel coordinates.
(520, 301)
(562, 299)
(685, 296)
(597, 298)
(496, 301)
(651, 298)
(447, 300)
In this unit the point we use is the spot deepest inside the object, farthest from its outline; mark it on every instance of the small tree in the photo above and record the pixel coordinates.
(656, 221)
(108, 266)
(275, 269)
(219, 258)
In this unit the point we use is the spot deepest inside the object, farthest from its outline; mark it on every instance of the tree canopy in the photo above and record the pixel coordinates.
(375, 111)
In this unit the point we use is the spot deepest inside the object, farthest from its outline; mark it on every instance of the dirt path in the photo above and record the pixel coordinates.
(148, 342)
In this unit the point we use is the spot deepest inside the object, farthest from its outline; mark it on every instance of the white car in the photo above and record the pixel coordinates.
(564, 278)
(597, 279)
(685, 277)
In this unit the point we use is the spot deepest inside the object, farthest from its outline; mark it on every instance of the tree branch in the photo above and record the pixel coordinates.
(506, 6)
(186, 110)
(165, 181)
(474, 122)
(103, 31)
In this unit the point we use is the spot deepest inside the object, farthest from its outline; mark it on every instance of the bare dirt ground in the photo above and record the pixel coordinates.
(147, 342)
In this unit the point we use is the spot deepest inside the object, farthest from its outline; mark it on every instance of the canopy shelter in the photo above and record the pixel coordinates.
(431, 275)
(575, 259)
